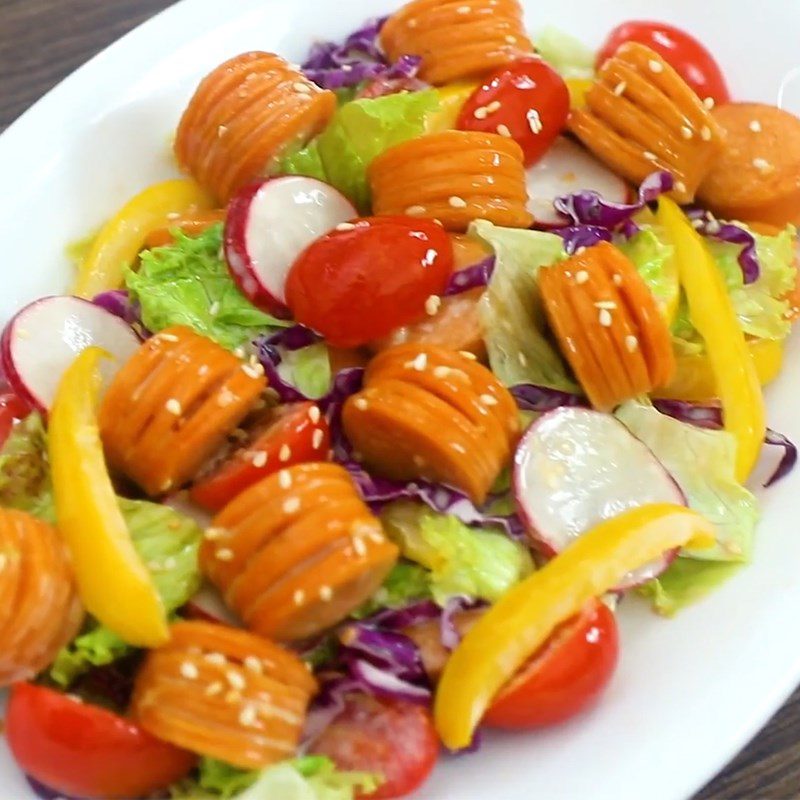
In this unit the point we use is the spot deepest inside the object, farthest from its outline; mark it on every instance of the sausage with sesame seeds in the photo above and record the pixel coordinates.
(201, 692)
(171, 406)
(756, 176)
(39, 607)
(243, 115)
(457, 39)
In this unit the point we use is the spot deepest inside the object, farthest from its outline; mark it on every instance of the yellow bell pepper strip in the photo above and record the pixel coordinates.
(451, 99)
(694, 379)
(712, 314)
(578, 89)
(121, 238)
(512, 630)
(113, 583)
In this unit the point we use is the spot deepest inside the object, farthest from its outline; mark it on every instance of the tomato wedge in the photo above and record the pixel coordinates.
(565, 677)
(86, 751)
(393, 738)
(292, 434)
(12, 409)
(527, 100)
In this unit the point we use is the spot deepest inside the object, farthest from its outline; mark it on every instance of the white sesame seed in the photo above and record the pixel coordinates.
(620, 88)
(686, 132)
(189, 671)
(631, 343)
(415, 211)
(617, 279)
(173, 406)
(605, 317)
(488, 400)
(609, 305)
(221, 131)
(581, 276)
(213, 309)
(225, 397)
(432, 305)
(299, 597)
(254, 371)
(457, 202)
(314, 414)
(345, 226)
(285, 453)
(285, 479)
(248, 716)
(709, 103)
(762, 165)
(216, 658)
(203, 370)
(316, 438)
(325, 593)
(168, 337)
(259, 458)
(755, 126)
(468, 355)
(235, 679)
(493, 106)
(359, 546)
(680, 186)
(655, 66)
(213, 689)
(480, 112)
(522, 358)
(212, 534)
(291, 505)
(253, 663)
(224, 554)
(174, 215)
(534, 121)
(650, 156)
(463, 10)
(504, 131)
(239, 352)
(301, 88)
(459, 448)
(361, 403)
(441, 372)
(705, 133)
(420, 362)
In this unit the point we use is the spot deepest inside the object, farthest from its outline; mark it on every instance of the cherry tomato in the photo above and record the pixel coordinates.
(527, 99)
(390, 737)
(690, 59)
(565, 677)
(12, 409)
(291, 434)
(359, 284)
(86, 751)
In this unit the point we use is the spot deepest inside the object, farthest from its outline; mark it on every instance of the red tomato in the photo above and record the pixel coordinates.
(390, 737)
(566, 676)
(356, 285)
(528, 98)
(690, 59)
(86, 751)
(292, 434)
(12, 409)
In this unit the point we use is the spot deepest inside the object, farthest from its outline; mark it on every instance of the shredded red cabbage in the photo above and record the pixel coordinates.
(119, 303)
(45, 792)
(473, 277)
(541, 399)
(578, 236)
(450, 636)
(706, 224)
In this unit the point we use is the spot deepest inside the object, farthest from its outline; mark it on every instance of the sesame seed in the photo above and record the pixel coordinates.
(480, 112)
(412, 23)
(617, 279)
(534, 121)
(254, 371)
(415, 211)
(259, 458)
(488, 400)
(680, 186)
(233, 697)
(224, 554)
(173, 406)
(361, 403)
(216, 658)
(213, 309)
(285, 479)
(459, 448)
(457, 202)
(504, 131)
(316, 438)
(221, 131)
(248, 716)
(463, 10)
(604, 317)
(239, 352)
(620, 88)
(493, 106)
(359, 546)
(225, 397)
(755, 126)
(203, 370)
(345, 226)
(705, 133)
(189, 671)
(235, 679)
(253, 663)
(441, 372)
(581, 276)
(762, 165)
(468, 355)
(655, 66)
(168, 337)
(650, 156)
(299, 597)
(314, 414)
(291, 505)
(686, 132)
(173, 215)
(522, 358)
(213, 689)
(325, 593)
(610, 305)
(301, 88)
(631, 343)
(212, 534)
(419, 363)
(511, 39)
(432, 305)
(709, 103)
(285, 453)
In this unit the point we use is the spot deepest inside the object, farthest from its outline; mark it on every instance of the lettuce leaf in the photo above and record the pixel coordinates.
(515, 328)
(308, 369)
(24, 469)
(569, 56)
(188, 283)
(702, 463)
(405, 584)
(359, 131)
(463, 561)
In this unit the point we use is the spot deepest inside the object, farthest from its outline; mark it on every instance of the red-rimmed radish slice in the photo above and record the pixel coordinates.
(42, 340)
(208, 605)
(564, 169)
(269, 224)
(575, 468)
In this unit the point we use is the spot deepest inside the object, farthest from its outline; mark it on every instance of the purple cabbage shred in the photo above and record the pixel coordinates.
(474, 277)
(119, 303)
(707, 225)
(577, 236)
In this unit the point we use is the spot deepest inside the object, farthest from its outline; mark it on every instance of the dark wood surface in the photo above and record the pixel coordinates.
(42, 41)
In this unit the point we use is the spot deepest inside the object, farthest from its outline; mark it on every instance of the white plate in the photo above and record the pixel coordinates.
(689, 692)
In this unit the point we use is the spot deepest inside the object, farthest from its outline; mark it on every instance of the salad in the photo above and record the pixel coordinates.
(346, 446)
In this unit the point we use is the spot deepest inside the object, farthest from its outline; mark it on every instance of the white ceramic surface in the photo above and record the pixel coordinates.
(689, 692)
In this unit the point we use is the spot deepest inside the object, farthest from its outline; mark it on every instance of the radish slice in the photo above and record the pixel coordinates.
(42, 340)
(567, 168)
(208, 605)
(269, 224)
(575, 468)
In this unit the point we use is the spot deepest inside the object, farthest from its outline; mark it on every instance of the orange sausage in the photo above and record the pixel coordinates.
(608, 325)
(244, 114)
(297, 552)
(39, 607)
(756, 176)
(172, 405)
(192, 223)
(224, 693)
(426, 412)
(455, 177)
(641, 116)
(457, 39)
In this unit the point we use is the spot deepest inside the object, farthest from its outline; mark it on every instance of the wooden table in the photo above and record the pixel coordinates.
(42, 41)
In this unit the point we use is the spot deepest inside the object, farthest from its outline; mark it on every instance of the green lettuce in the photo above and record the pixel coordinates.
(308, 369)
(702, 463)
(188, 283)
(406, 583)
(569, 56)
(653, 258)
(24, 469)
(515, 327)
(360, 131)
(462, 560)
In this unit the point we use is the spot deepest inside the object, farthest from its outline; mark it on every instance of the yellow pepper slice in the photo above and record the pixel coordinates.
(451, 101)
(113, 583)
(578, 89)
(121, 238)
(513, 629)
(711, 312)
(694, 379)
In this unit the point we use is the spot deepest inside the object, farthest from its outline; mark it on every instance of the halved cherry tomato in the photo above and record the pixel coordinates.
(393, 738)
(527, 99)
(565, 677)
(86, 751)
(690, 59)
(356, 285)
(291, 434)
(12, 409)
